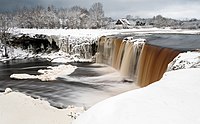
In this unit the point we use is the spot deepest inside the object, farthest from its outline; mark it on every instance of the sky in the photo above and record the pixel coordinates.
(178, 9)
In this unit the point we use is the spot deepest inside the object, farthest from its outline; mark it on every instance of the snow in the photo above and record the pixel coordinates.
(19, 108)
(68, 32)
(99, 32)
(136, 40)
(23, 76)
(185, 60)
(15, 53)
(48, 74)
(7, 90)
(53, 72)
(173, 99)
(61, 60)
(79, 39)
(63, 57)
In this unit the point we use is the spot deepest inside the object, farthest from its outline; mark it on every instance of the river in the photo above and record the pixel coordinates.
(89, 84)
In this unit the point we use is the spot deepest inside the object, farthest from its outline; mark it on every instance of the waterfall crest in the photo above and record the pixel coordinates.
(153, 63)
(134, 59)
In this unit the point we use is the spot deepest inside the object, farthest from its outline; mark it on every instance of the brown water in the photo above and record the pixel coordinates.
(153, 63)
(121, 55)
(147, 63)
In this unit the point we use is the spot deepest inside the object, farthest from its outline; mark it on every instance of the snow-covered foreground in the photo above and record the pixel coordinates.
(172, 100)
(17, 108)
(48, 74)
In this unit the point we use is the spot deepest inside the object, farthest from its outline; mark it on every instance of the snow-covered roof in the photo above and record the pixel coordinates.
(122, 22)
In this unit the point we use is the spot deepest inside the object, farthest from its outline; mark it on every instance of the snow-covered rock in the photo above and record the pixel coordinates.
(8, 90)
(14, 53)
(185, 60)
(54, 72)
(18, 108)
(23, 76)
(48, 74)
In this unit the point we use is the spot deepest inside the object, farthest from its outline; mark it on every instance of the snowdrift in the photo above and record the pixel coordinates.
(17, 108)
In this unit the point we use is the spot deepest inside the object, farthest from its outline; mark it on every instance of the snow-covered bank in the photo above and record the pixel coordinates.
(14, 53)
(63, 57)
(185, 60)
(100, 32)
(17, 108)
(172, 100)
(48, 74)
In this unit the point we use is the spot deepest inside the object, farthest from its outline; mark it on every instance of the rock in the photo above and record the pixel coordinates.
(7, 90)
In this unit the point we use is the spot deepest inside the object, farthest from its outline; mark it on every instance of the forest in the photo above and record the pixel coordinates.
(51, 17)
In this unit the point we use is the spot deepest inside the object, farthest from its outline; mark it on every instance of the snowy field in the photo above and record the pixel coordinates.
(99, 32)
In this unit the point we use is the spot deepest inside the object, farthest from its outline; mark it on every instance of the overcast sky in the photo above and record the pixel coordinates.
(179, 9)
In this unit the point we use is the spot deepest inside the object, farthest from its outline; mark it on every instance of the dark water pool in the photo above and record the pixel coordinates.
(182, 42)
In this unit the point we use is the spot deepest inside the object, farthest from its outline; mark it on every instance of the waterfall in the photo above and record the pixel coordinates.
(105, 50)
(153, 63)
(122, 54)
(134, 58)
(130, 58)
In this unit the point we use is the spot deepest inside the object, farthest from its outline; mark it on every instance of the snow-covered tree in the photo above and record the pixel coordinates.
(160, 21)
(50, 17)
(97, 15)
(62, 15)
(4, 34)
(77, 17)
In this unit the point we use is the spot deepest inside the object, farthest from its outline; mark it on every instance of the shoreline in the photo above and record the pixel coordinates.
(20, 108)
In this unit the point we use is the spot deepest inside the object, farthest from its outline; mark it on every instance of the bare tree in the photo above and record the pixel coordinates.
(50, 17)
(97, 14)
(4, 34)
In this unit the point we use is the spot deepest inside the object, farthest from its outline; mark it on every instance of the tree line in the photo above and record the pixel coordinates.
(51, 17)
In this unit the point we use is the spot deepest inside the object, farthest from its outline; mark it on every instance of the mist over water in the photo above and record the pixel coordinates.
(89, 84)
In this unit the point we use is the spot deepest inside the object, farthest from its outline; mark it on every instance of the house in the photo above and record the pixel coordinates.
(124, 23)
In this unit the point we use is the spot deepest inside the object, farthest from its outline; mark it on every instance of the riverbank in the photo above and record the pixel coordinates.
(19, 108)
